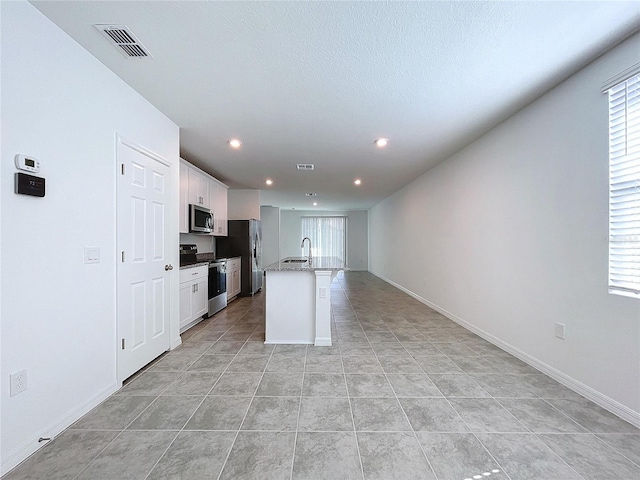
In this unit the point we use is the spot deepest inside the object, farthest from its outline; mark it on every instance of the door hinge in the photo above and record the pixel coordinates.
(123, 256)
(122, 169)
(123, 343)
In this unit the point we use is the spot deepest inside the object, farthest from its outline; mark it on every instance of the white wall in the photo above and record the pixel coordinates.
(510, 236)
(58, 317)
(243, 204)
(270, 217)
(357, 235)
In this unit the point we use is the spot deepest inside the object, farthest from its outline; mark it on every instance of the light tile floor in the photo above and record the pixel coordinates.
(404, 394)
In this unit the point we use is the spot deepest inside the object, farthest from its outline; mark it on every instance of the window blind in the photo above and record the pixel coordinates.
(624, 187)
(327, 234)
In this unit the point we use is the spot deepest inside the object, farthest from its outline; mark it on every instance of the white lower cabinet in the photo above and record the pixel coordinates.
(194, 297)
(234, 285)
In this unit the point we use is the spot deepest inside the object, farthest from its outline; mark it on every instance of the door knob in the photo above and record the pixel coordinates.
(168, 267)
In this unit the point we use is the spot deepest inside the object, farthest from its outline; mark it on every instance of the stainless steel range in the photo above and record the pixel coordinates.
(217, 280)
(217, 286)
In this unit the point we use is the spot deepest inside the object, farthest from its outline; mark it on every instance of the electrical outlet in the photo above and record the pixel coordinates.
(18, 382)
(560, 330)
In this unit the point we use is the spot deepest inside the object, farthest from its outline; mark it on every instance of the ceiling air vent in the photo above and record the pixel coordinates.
(124, 40)
(305, 166)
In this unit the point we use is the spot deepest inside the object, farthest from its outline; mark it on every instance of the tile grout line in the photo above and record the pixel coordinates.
(204, 397)
(406, 418)
(474, 433)
(224, 464)
(295, 438)
(554, 453)
(403, 326)
(194, 411)
(447, 400)
(353, 420)
(614, 448)
(97, 455)
(129, 424)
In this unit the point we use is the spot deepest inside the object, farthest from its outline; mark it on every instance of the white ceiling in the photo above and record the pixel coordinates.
(317, 82)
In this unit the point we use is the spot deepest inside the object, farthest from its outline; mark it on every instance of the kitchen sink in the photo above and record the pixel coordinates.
(295, 260)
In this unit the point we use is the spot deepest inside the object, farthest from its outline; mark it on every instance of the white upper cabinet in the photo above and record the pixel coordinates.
(218, 196)
(184, 198)
(199, 188)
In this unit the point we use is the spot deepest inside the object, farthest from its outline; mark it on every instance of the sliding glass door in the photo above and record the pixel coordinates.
(328, 236)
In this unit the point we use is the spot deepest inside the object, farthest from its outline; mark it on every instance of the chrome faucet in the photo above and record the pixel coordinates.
(302, 246)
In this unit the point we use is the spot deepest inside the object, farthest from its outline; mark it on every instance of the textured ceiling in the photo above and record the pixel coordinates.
(317, 82)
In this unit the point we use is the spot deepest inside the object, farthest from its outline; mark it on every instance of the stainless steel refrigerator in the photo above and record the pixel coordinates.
(245, 241)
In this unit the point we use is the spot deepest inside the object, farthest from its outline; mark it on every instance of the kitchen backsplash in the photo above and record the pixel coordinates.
(205, 243)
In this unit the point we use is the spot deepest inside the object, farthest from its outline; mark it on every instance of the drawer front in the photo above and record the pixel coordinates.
(195, 273)
(233, 264)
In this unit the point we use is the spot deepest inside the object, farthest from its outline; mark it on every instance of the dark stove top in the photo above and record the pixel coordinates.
(188, 255)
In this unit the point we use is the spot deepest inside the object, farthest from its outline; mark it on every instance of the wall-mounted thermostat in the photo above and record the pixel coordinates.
(29, 185)
(28, 164)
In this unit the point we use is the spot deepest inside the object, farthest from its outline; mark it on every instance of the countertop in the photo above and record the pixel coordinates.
(194, 265)
(317, 263)
(204, 259)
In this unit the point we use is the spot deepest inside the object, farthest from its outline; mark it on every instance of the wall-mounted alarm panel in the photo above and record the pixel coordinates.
(29, 185)
(28, 164)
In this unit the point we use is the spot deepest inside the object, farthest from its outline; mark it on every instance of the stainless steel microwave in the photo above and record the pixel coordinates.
(201, 219)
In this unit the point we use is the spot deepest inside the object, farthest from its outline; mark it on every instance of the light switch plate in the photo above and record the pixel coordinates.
(91, 254)
(560, 330)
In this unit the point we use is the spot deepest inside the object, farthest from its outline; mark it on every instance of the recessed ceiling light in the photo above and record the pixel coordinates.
(235, 143)
(381, 142)
(357, 181)
(315, 204)
(268, 181)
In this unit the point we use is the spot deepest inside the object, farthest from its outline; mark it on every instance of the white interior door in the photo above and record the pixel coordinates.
(143, 269)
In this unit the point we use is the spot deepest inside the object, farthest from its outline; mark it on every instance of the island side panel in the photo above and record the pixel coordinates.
(290, 308)
(323, 307)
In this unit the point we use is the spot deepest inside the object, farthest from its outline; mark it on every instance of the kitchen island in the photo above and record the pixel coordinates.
(298, 300)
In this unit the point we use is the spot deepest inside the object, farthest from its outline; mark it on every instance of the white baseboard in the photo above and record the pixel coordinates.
(323, 342)
(595, 396)
(175, 343)
(21, 453)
